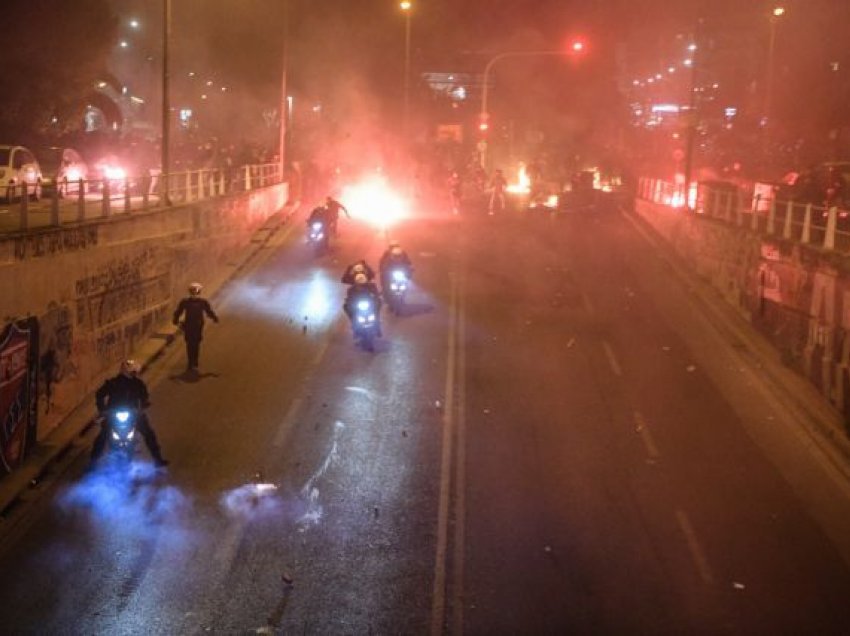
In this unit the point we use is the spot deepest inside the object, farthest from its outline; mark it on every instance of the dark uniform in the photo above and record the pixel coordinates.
(349, 274)
(390, 261)
(130, 392)
(334, 207)
(193, 325)
(319, 214)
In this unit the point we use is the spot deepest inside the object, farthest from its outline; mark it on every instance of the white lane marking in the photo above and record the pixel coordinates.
(286, 424)
(438, 606)
(460, 475)
(360, 390)
(323, 349)
(695, 548)
(612, 359)
(588, 306)
(646, 436)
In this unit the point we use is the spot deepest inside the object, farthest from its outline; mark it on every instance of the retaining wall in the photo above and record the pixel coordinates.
(797, 295)
(101, 288)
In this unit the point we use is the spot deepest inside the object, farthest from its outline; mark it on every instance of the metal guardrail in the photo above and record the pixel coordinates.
(79, 201)
(805, 223)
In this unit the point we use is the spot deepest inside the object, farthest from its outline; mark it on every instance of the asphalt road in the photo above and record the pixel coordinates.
(554, 438)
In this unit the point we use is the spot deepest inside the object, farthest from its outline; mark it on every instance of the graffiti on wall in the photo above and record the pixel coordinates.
(57, 342)
(68, 239)
(121, 289)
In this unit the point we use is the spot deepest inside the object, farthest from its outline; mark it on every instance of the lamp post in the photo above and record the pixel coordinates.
(284, 102)
(778, 12)
(484, 115)
(407, 7)
(165, 158)
(693, 108)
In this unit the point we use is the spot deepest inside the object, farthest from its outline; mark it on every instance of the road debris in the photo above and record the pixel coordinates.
(738, 586)
(691, 368)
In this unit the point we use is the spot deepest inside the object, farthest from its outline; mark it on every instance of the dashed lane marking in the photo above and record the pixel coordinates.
(612, 359)
(695, 548)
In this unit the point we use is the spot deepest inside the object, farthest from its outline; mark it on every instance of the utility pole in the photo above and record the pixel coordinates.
(284, 101)
(165, 158)
(693, 103)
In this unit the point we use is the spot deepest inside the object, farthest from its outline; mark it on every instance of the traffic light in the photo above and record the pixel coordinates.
(577, 46)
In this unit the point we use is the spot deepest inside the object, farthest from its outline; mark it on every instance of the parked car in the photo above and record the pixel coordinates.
(62, 169)
(19, 170)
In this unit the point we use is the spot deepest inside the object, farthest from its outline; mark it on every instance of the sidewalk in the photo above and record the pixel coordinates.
(75, 434)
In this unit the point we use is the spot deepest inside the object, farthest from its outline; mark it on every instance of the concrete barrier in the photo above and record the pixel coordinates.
(797, 295)
(101, 288)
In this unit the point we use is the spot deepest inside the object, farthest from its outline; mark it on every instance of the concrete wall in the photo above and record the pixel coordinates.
(101, 288)
(796, 295)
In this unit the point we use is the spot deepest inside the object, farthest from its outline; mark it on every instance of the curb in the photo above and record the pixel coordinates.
(75, 429)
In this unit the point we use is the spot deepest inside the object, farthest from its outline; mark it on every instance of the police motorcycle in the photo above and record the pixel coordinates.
(395, 284)
(122, 435)
(364, 322)
(317, 236)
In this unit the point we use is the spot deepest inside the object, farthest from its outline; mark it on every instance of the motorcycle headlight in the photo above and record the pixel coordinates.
(361, 319)
(363, 305)
(131, 434)
(399, 276)
(116, 436)
(122, 416)
(317, 226)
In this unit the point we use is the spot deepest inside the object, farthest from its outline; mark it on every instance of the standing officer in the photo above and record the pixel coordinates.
(193, 326)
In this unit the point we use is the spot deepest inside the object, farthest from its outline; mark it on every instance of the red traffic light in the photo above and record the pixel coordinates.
(577, 46)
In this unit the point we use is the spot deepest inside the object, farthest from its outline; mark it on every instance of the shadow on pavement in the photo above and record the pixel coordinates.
(192, 376)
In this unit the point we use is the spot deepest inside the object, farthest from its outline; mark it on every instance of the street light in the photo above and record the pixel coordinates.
(778, 12)
(407, 7)
(484, 116)
(166, 106)
(284, 100)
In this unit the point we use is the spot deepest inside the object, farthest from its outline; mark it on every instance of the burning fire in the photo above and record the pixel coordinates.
(375, 202)
(523, 182)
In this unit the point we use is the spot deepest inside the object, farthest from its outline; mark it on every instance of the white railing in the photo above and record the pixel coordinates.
(29, 208)
(806, 223)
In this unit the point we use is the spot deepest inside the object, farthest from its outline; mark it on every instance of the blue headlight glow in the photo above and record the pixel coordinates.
(122, 416)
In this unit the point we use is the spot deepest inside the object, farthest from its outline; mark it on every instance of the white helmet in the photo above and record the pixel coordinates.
(360, 279)
(129, 367)
(195, 289)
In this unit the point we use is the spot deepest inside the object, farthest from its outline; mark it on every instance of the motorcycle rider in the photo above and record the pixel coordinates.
(194, 308)
(128, 390)
(321, 215)
(359, 267)
(362, 288)
(334, 207)
(394, 258)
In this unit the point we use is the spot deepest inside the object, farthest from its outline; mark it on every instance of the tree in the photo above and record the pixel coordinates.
(54, 52)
